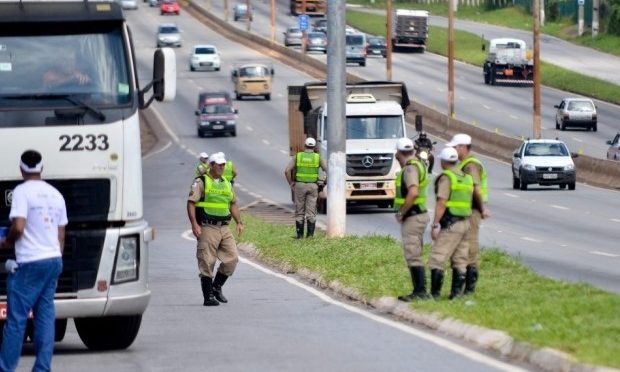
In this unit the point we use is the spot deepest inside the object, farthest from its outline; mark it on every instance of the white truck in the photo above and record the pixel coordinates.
(508, 61)
(374, 122)
(409, 29)
(69, 89)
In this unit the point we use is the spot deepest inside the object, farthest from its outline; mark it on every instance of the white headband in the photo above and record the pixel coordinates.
(36, 169)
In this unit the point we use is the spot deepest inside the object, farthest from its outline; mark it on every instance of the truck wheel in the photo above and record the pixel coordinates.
(60, 328)
(238, 96)
(486, 77)
(515, 183)
(594, 127)
(200, 134)
(492, 76)
(234, 133)
(363, 64)
(108, 333)
(571, 186)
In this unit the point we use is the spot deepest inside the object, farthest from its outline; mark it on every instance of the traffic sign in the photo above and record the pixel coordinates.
(304, 22)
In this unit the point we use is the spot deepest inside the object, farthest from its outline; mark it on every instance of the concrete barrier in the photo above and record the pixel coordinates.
(597, 172)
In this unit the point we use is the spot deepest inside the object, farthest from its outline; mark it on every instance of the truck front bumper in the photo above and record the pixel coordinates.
(370, 190)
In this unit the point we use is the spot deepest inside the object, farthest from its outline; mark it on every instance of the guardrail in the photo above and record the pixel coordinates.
(597, 172)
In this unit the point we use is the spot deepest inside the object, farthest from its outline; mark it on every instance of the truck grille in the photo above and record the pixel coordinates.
(369, 165)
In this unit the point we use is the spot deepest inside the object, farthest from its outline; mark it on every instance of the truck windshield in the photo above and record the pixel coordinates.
(374, 127)
(39, 72)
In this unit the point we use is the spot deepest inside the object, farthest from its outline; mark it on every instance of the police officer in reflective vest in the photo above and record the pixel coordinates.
(472, 166)
(411, 213)
(451, 227)
(230, 173)
(302, 174)
(202, 166)
(210, 206)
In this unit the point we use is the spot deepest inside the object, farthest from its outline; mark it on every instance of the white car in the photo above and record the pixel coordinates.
(545, 162)
(576, 112)
(168, 34)
(129, 4)
(205, 57)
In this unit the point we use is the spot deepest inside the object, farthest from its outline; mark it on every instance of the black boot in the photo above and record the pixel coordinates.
(207, 291)
(470, 279)
(218, 282)
(436, 283)
(418, 279)
(458, 281)
(300, 229)
(310, 232)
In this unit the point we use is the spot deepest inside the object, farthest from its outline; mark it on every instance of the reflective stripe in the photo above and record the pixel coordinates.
(307, 167)
(484, 190)
(217, 198)
(420, 199)
(461, 194)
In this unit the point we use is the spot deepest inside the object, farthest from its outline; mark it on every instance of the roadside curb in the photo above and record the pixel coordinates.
(497, 341)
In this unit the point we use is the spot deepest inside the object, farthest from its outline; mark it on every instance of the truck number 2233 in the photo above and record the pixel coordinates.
(89, 142)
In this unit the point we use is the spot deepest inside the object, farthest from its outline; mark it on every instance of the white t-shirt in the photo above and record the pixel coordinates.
(44, 209)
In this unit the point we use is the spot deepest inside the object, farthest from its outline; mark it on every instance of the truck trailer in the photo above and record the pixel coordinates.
(374, 122)
(508, 61)
(409, 29)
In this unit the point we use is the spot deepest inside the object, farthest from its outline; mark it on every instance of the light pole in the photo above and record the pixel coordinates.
(536, 98)
(388, 40)
(273, 21)
(226, 10)
(451, 60)
(249, 21)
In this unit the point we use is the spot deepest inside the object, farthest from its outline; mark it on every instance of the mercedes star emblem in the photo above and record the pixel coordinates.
(367, 161)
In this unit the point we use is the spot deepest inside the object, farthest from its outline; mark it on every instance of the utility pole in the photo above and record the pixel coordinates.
(226, 10)
(542, 13)
(303, 32)
(595, 13)
(273, 21)
(336, 128)
(536, 100)
(388, 40)
(451, 60)
(248, 24)
(580, 17)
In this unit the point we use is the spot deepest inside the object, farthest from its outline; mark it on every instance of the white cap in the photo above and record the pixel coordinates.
(204, 155)
(217, 158)
(449, 154)
(404, 144)
(459, 139)
(310, 142)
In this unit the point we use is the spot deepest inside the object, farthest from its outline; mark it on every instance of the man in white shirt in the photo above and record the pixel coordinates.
(38, 219)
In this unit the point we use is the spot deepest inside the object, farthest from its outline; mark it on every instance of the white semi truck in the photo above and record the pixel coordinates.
(409, 29)
(508, 61)
(374, 122)
(69, 89)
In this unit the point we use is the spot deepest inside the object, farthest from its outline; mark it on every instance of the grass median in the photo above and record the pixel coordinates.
(575, 318)
(468, 48)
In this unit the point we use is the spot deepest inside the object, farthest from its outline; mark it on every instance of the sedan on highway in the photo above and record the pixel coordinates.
(293, 36)
(545, 162)
(129, 4)
(168, 34)
(576, 112)
(317, 42)
(376, 46)
(204, 57)
(613, 153)
(169, 7)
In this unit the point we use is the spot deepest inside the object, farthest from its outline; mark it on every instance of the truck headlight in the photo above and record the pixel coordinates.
(127, 259)
(529, 167)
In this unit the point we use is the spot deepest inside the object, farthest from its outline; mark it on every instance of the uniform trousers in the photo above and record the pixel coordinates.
(216, 243)
(306, 195)
(474, 242)
(452, 242)
(412, 232)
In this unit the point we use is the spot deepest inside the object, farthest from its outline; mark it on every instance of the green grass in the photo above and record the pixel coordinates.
(468, 48)
(575, 318)
(514, 17)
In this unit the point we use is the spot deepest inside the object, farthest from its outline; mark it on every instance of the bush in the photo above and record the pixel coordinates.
(552, 10)
(613, 27)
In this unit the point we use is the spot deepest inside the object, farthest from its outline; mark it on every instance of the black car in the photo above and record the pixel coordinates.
(376, 46)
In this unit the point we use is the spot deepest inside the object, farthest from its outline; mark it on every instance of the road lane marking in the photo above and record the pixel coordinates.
(487, 107)
(559, 207)
(514, 117)
(577, 139)
(615, 220)
(166, 126)
(266, 142)
(166, 146)
(249, 128)
(531, 239)
(605, 254)
(511, 195)
(284, 152)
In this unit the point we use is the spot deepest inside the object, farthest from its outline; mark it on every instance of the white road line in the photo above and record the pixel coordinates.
(577, 139)
(441, 342)
(605, 254)
(284, 152)
(249, 128)
(266, 142)
(559, 207)
(615, 220)
(486, 107)
(511, 195)
(514, 117)
(166, 146)
(166, 127)
(531, 239)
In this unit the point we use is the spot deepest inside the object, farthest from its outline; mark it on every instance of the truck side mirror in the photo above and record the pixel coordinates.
(556, 106)
(418, 123)
(272, 72)
(164, 81)
(609, 142)
(516, 155)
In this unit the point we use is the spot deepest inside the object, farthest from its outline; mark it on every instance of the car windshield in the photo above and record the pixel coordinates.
(204, 50)
(374, 127)
(355, 40)
(217, 109)
(169, 2)
(168, 30)
(254, 71)
(580, 106)
(546, 149)
(294, 31)
(316, 35)
(376, 41)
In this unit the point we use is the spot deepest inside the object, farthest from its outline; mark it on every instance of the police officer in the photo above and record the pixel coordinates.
(451, 227)
(410, 206)
(302, 175)
(202, 166)
(230, 172)
(210, 206)
(472, 166)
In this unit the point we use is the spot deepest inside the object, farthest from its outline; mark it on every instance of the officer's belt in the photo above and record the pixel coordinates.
(448, 220)
(216, 222)
(413, 211)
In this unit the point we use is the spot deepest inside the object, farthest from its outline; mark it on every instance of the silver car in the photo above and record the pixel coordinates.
(613, 153)
(576, 112)
(128, 4)
(316, 41)
(168, 34)
(293, 36)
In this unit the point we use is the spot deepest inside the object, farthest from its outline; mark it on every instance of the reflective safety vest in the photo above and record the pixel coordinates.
(228, 170)
(461, 192)
(307, 167)
(401, 188)
(217, 198)
(484, 191)
(201, 169)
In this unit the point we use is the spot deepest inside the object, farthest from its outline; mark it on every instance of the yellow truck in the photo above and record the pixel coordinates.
(375, 121)
(252, 79)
